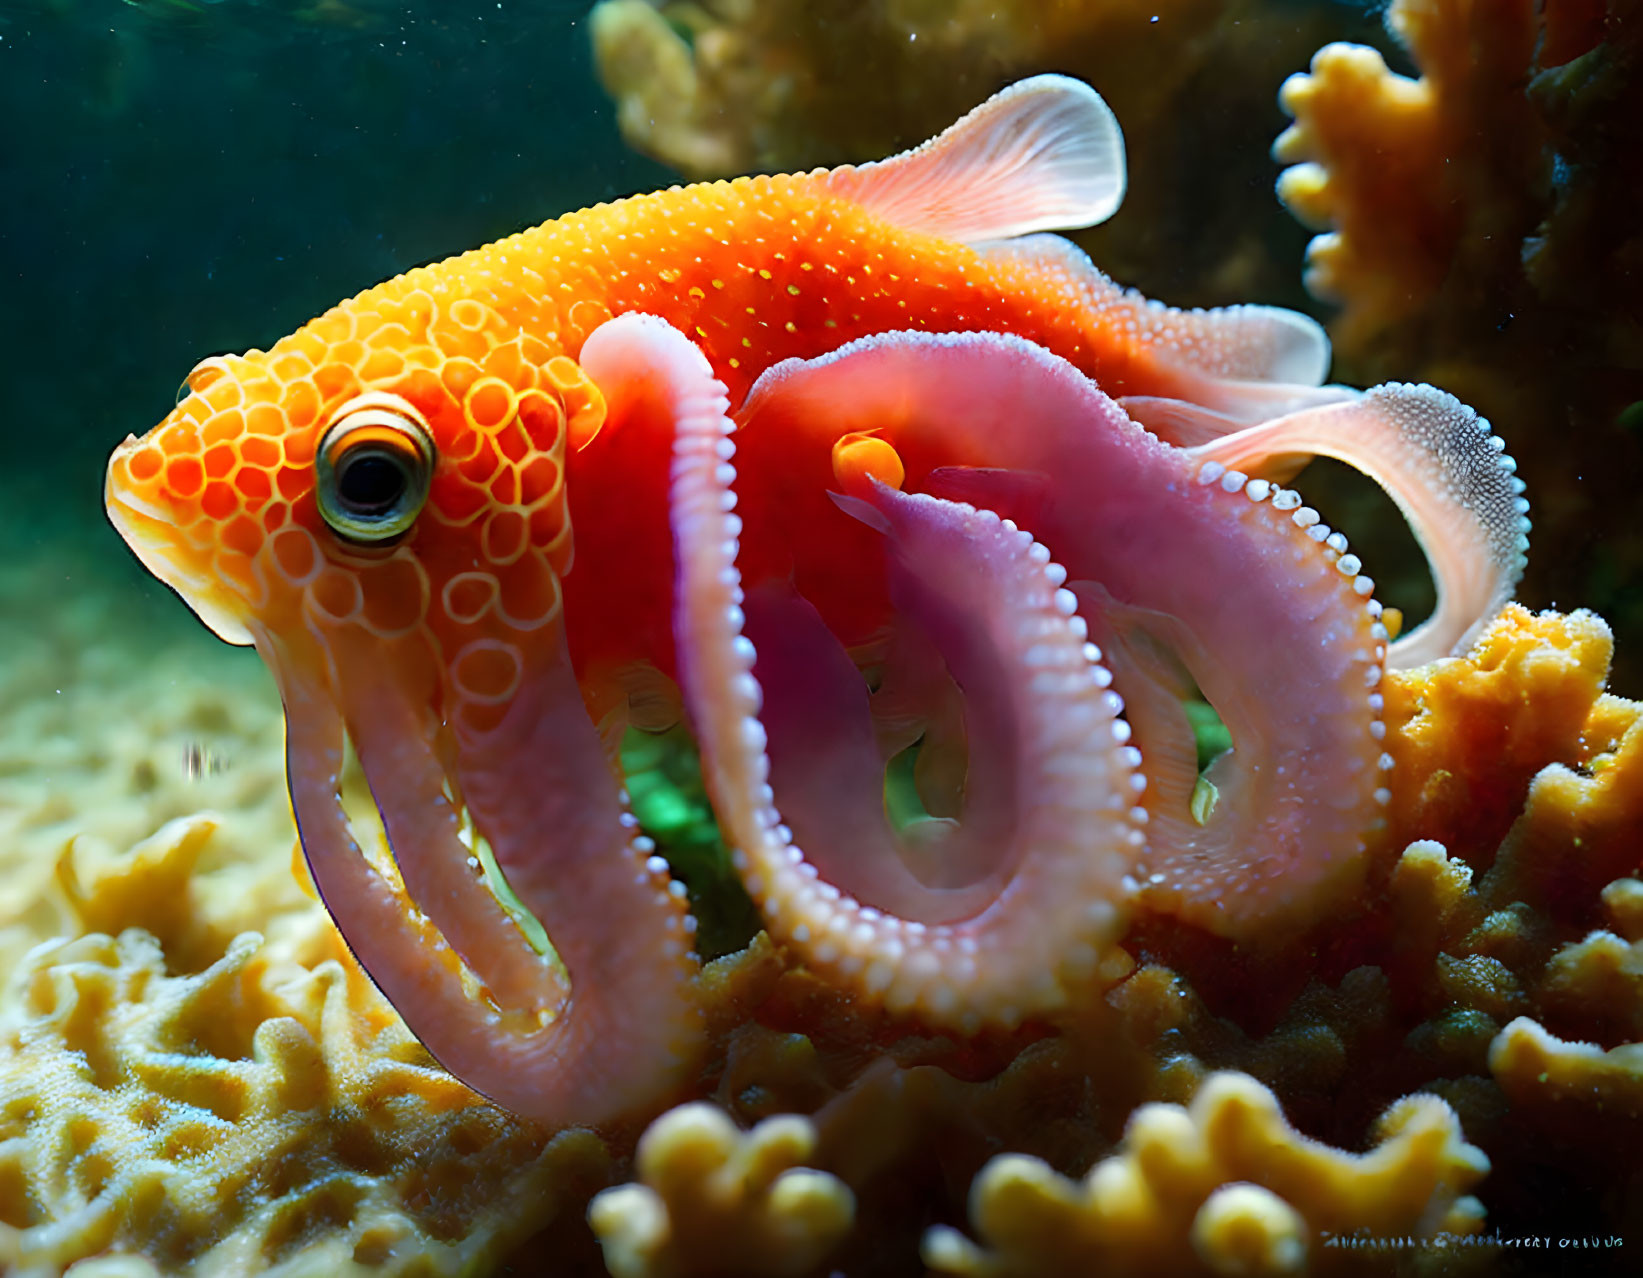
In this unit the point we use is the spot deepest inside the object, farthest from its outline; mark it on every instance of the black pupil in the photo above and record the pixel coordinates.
(371, 484)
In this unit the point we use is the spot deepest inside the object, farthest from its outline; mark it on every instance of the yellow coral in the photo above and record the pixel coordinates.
(663, 106)
(730, 86)
(715, 1200)
(1379, 255)
(258, 1113)
(96, 757)
(1535, 1066)
(1468, 733)
(1579, 827)
(1394, 165)
(1224, 1185)
(1597, 984)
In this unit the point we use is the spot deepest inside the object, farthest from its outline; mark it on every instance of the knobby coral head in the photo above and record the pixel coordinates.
(835, 465)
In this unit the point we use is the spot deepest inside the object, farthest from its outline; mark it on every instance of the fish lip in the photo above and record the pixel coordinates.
(151, 536)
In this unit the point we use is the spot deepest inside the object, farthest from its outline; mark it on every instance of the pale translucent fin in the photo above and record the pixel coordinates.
(1436, 458)
(1148, 667)
(653, 700)
(1186, 425)
(1044, 153)
(1177, 422)
(1269, 345)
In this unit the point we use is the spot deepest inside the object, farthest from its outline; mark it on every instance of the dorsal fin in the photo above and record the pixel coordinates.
(1044, 153)
(1239, 343)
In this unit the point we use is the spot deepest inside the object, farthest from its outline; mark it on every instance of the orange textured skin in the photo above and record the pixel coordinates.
(754, 271)
(467, 515)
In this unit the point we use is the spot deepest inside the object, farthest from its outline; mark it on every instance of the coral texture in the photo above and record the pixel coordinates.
(712, 1199)
(154, 1042)
(1224, 1185)
(93, 760)
(1517, 748)
(259, 1113)
(1480, 231)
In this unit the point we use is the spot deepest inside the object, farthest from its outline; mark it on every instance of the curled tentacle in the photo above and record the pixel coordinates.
(539, 791)
(1266, 610)
(827, 768)
(990, 594)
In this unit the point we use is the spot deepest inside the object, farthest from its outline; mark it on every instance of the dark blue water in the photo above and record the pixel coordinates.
(180, 179)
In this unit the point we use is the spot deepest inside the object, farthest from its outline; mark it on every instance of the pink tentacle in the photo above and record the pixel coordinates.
(409, 961)
(826, 766)
(621, 1043)
(1449, 475)
(1052, 926)
(541, 791)
(1284, 640)
(397, 753)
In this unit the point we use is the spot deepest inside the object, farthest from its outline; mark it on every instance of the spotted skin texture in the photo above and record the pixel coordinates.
(579, 388)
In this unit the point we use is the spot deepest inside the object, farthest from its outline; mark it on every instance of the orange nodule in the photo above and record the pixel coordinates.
(860, 457)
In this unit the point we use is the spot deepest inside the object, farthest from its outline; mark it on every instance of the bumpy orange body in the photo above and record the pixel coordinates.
(467, 516)
(483, 345)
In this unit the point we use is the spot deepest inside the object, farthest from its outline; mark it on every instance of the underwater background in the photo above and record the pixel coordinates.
(184, 178)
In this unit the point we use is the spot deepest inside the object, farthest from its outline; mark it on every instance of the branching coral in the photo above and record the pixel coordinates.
(1594, 986)
(94, 759)
(730, 86)
(1480, 232)
(255, 1108)
(715, 1200)
(1223, 1185)
(1411, 173)
(1468, 734)
(1517, 746)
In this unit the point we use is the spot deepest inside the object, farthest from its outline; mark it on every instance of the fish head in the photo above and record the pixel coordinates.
(391, 476)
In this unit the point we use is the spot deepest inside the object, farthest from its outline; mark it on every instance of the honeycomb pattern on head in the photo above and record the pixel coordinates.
(220, 499)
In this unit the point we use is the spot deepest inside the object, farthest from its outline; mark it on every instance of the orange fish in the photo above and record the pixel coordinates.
(481, 517)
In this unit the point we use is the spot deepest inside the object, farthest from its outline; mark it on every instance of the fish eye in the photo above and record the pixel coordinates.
(372, 468)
